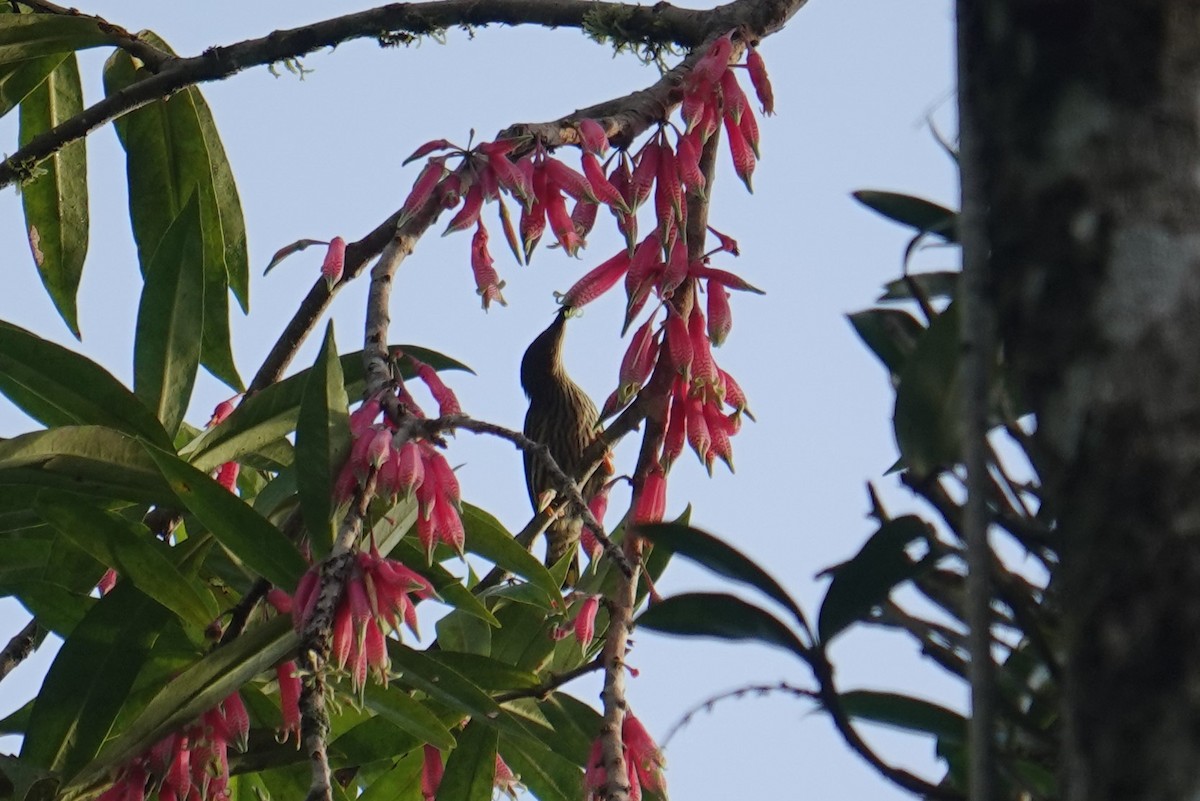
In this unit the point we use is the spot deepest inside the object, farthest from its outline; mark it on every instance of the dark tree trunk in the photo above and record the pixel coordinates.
(1085, 157)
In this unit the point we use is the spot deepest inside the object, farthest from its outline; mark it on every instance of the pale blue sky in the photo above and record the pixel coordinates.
(854, 82)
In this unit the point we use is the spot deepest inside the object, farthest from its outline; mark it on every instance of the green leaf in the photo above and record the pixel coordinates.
(718, 615)
(402, 782)
(927, 421)
(246, 534)
(56, 200)
(487, 537)
(891, 334)
(449, 587)
(166, 353)
(548, 775)
(273, 413)
(27, 36)
(322, 443)
(172, 152)
(575, 724)
(721, 558)
(91, 460)
(488, 673)
(19, 78)
(131, 550)
(940, 284)
(90, 679)
(471, 769)
(23, 782)
(866, 580)
(398, 706)
(58, 387)
(450, 687)
(459, 631)
(923, 215)
(200, 687)
(905, 712)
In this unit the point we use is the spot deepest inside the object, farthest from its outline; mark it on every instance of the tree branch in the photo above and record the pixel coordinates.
(661, 23)
(19, 648)
(552, 682)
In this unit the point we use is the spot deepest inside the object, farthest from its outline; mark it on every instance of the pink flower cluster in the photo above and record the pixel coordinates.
(190, 765)
(643, 761)
(416, 467)
(378, 596)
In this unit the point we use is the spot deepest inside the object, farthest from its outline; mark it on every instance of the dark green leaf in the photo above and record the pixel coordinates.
(166, 353)
(131, 550)
(91, 460)
(173, 152)
(489, 673)
(927, 421)
(891, 334)
(58, 387)
(487, 537)
(465, 633)
(402, 782)
(23, 782)
(56, 201)
(548, 775)
(904, 712)
(245, 533)
(450, 687)
(19, 78)
(322, 443)
(932, 285)
(26, 36)
(471, 768)
(718, 615)
(90, 679)
(398, 706)
(866, 580)
(272, 413)
(575, 724)
(721, 558)
(201, 687)
(923, 215)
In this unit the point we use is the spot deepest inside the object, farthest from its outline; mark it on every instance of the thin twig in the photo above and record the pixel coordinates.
(737, 693)
(562, 481)
(552, 682)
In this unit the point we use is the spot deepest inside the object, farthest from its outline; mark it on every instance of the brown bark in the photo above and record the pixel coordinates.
(1085, 159)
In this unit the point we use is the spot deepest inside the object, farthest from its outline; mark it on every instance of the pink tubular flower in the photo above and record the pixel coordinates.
(712, 66)
(335, 261)
(762, 84)
(650, 502)
(568, 180)
(720, 317)
(604, 191)
(468, 215)
(289, 701)
(106, 583)
(679, 345)
(446, 399)
(598, 506)
(583, 217)
(423, 188)
(432, 770)
(735, 98)
(597, 281)
(227, 475)
(221, 412)
(506, 781)
(644, 173)
(697, 429)
(638, 361)
(560, 222)
(379, 447)
(487, 280)
(739, 149)
(585, 621)
(593, 137)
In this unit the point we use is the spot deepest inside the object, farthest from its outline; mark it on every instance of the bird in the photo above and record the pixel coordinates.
(563, 418)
